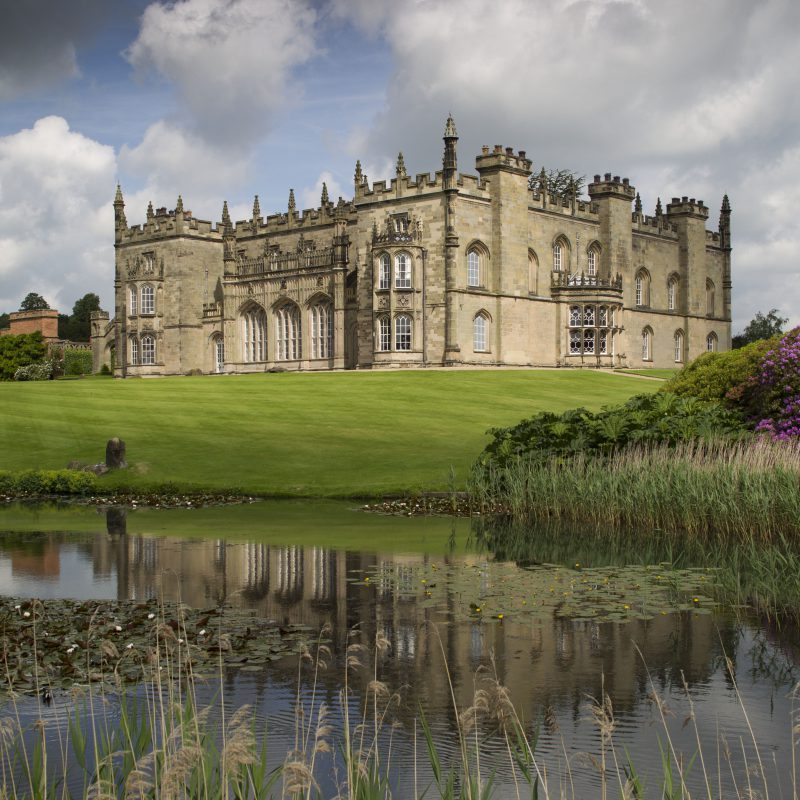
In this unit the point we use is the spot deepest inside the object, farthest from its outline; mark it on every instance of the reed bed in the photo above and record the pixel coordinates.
(745, 491)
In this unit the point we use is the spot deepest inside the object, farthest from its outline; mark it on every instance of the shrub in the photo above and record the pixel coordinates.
(39, 371)
(19, 351)
(105, 370)
(54, 481)
(720, 376)
(77, 362)
(773, 395)
(651, 418)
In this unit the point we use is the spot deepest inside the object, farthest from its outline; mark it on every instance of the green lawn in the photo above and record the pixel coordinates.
(323, 434)
(662, 374)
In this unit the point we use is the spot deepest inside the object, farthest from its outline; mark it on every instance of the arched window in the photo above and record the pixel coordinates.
(647, 344)
(473, 268)
(678, 339)
(710, 297)
(218, 345)
(642, 286)
(287, 330)
(148, 350)
(134, 297)
(134, 350)
(480, 333)
(592, 259)
(321, 330)
(402, 332)
(384, 333)
(402, 271)
(148, 300)
(672, 293)
(385, 272)
(574, 316)
(533, 273)
(558, 257)
(711, 342)
(254, 335)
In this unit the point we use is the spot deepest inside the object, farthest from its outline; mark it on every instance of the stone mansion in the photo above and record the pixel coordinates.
(443, 270)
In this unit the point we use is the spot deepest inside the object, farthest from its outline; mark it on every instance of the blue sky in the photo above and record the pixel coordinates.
(223, 99)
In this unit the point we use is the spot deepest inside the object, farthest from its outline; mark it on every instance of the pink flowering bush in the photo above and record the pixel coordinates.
(773, 394)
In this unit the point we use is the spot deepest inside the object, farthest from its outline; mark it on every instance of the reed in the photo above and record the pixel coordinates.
(747, 491)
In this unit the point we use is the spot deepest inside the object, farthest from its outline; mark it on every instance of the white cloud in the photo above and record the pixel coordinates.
(230, 61)
(55, 215)
(310, 196)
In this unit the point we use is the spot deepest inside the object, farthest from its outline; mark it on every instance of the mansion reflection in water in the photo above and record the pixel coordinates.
(540, 660)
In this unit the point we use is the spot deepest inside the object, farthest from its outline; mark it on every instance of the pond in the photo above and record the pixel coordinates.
(555, 628)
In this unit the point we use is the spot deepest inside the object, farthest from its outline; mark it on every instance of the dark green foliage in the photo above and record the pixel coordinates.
(644, 419)
(77, 362)
(760, 327)
(105, 370)
(75, 327)
(33, 302)
(5, 320)
(720, 376)
(19, 351)
(46, 482)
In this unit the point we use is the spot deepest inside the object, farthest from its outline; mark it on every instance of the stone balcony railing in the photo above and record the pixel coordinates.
(275, 261)
(582, 281)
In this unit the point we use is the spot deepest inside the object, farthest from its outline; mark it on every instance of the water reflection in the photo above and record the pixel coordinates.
(550, 665)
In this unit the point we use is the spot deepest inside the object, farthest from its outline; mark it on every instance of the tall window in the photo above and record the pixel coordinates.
(254, 335)
(558, 252)
(321, 330)
(287, 326)
(148, 350)
(592, 262)
(148, 300)
(590, 330)
(402, 332)
(710, 298)
(533, 272)
(647, 345)
(678, 346)
(672, 293)
(134, 305)
(385, 272)
(473, 268)
(642, 286)
(384, 333)
(402, 271)
(134, 351)
(219, 354)
(711, 342)
(480, 327)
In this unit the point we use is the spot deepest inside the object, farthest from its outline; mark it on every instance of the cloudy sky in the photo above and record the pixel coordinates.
(223, 99)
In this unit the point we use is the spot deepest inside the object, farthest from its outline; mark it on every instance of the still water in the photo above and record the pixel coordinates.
(555, 634)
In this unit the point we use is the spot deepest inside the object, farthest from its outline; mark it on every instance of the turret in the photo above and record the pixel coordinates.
(120, 223)
(613, 197)
(689, 217)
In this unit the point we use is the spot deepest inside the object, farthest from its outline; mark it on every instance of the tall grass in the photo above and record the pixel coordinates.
(746, 491)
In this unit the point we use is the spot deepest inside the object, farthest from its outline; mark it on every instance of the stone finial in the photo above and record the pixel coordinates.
(659, 210)
(726, 205)
(450, 128)
(323, 200)
(359, 176)
(226, 217)
(150, 213)
(292, 204)
(256, 208)
(179, 205)
(118, 196)
(543, 181)
(401, 166)
(637, 205)
(119, 209)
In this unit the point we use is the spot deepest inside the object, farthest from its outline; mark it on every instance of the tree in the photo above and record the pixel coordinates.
(560, 182)
(760, 327)
(75, 327)
(5, 320)
(33, 302)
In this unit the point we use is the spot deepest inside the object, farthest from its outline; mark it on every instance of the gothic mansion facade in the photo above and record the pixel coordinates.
(448, 270)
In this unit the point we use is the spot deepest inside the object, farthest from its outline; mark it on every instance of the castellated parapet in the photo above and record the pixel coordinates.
(430, 269)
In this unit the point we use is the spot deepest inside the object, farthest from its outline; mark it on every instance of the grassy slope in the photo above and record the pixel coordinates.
(308, 434)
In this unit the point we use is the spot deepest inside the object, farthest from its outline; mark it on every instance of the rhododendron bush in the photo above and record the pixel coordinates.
(775, 389)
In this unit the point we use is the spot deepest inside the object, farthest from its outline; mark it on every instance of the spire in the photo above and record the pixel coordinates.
(119, 210)
(323, 200)
(292, 205)
(726, 205)
(228, 240)
(659, 210)
(179, 205)
(450, 158)
(401, 166)
(542, 182)
(450, 128)
(637, 206)
(725, 223)
(256, 208)
(359, 176)
(226, 217)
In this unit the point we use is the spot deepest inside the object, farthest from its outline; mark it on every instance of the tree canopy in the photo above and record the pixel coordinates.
(762, 326)
(33, 302)
(75, 327)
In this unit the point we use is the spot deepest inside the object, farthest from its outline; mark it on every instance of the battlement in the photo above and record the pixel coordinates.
(687, 207)
(611, 187)
(655, 226)
(162, 223)
(502, 158)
